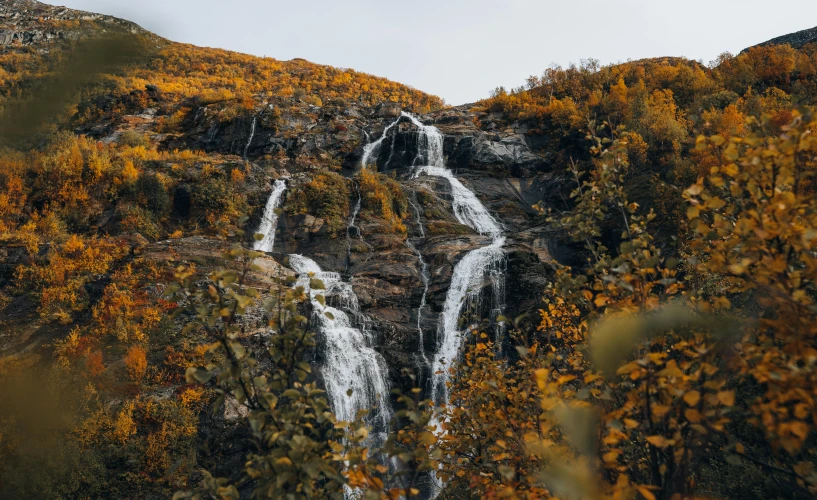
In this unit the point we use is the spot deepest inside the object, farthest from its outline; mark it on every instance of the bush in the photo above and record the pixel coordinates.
(383, 198)
(136, 363)
(219, 200)
(216, 194)
(719, 100)
(325, 196)
(211, 194)
(137, 219)
(151, 193)
(132, 138)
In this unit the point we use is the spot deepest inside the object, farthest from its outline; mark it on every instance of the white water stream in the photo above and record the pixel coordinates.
(249, 141)
(352, 231)
(372, 149)
(269, 221)
(472, 271)
(424, 276)
(350, 362)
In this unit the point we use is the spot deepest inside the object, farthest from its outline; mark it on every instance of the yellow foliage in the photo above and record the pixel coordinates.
(217, 75)
(326, 195)
(237, 176)
(59, 279)
(129, 172)
(125, 311)
(384, 198)
(12, 201)
(124, 426)
(192, 397)
(136, 363)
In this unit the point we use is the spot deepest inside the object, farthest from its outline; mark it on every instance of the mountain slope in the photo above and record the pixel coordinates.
(167, 160)
(796, 40)
(161, 166)
(34, 37)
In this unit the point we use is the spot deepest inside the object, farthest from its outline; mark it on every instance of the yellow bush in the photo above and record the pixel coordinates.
(384, 198)
(124, 426)
(136, 363)
(60, 278)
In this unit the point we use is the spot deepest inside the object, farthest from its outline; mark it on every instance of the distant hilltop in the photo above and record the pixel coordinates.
(796, 40)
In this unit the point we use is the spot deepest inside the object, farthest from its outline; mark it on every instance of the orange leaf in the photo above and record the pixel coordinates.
(671, 370)
(647, 494)
(692, 398)
(658, 441)
(727, 398)
(660, 410)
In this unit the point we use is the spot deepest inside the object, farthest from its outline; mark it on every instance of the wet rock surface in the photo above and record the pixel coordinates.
(502, 167)
(506, 173)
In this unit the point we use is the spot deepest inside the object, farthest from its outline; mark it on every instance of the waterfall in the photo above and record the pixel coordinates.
(465, 290)
(352, 231)
(249, 141)
(472, 270)
(467, 208)
(350, 362)
(417, 218)
(429, 144)
(372, 149)
(269, 221)
(429, 147)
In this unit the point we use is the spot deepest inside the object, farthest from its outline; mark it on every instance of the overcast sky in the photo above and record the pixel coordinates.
(461, 49)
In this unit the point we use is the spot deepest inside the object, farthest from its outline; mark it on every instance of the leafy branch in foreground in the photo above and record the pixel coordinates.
(300, 450)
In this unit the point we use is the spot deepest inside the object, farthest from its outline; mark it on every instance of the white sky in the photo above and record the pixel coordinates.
(461, 49)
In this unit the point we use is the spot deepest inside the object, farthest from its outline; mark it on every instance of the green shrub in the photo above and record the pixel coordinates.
(152, 194)
(325, 196)
(132, 138)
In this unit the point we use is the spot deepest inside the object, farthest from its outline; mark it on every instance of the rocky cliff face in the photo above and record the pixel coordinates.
(503, 166)
(31, 23)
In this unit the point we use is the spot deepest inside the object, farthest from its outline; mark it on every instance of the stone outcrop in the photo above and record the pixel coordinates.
(28, 22)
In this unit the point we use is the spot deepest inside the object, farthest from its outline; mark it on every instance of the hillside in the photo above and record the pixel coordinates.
(796, 40)
(601, 284)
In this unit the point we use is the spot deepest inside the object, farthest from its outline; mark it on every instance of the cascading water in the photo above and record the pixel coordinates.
(465, 290)
(467, 208)
(352, 231)
(472, 270)
(269, 220)
(350, 361)
(372, 149)
(429, 144)
(485, 264)
(424, 276)
(249, 141)
(477, 266)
